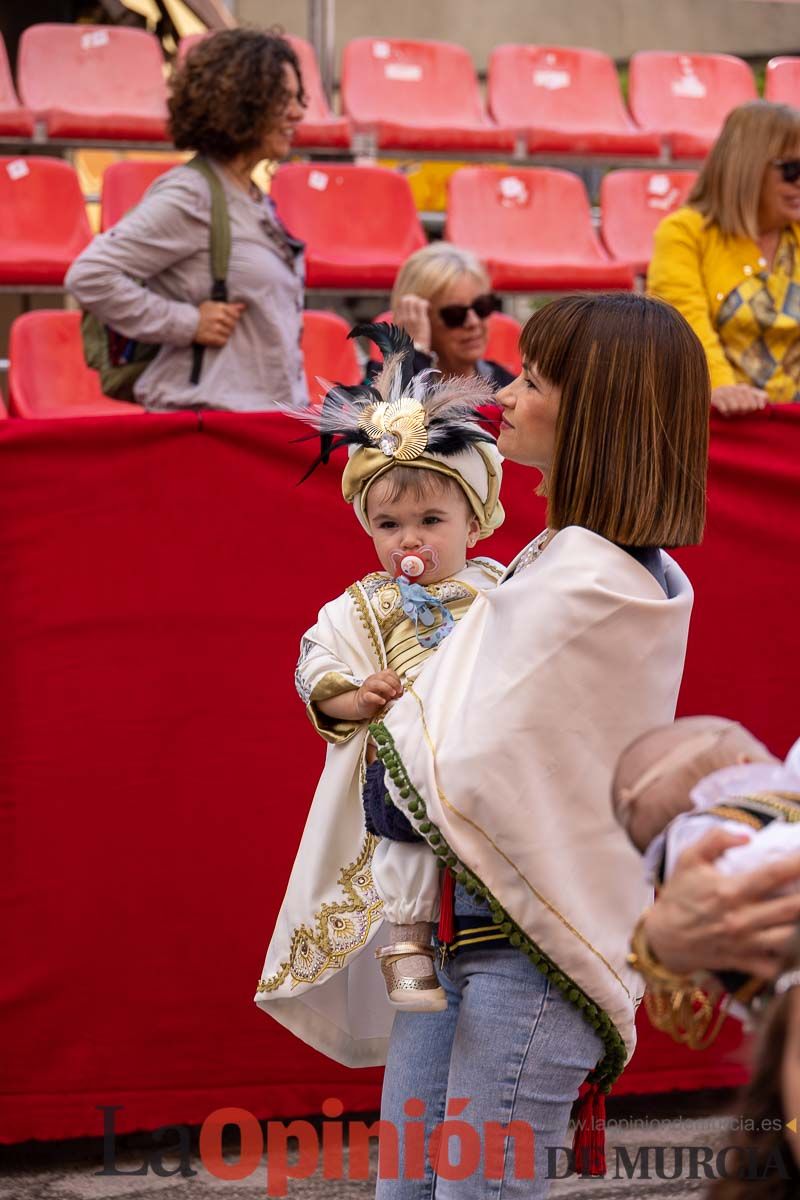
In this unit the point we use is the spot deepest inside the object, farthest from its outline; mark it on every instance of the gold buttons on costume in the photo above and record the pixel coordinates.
(720, 296)
(748, 270)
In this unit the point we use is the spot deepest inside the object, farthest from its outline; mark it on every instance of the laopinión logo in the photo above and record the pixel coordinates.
(324, 1148)
(299, 1149)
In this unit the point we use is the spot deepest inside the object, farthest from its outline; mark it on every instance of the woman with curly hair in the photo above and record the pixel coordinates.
(236, 99)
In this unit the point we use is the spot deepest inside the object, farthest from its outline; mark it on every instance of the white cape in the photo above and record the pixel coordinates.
(510, 737)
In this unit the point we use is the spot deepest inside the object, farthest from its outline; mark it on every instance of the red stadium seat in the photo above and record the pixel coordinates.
(15, 121)
(94, 81)
(632, 204)
(565, 100)
(359, 223)
(43, 223)
(686, 97)
(124, 184)
(781, 81)
(502, 347)
(48, 376)
(320, 126)
(532, 228)
(327, 352)
(417, 96)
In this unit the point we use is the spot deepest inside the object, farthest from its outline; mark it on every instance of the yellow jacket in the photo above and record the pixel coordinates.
(701, 271)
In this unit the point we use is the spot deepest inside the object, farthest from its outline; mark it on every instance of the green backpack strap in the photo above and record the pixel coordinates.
(220, 248)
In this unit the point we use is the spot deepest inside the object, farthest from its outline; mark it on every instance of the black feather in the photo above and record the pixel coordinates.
(390, 339)
(335, 444)
(453, 442)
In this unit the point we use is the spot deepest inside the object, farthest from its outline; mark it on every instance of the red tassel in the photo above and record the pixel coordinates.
(447, 925)
(589, 1143)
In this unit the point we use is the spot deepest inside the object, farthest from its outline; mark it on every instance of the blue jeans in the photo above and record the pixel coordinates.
(509, 1044)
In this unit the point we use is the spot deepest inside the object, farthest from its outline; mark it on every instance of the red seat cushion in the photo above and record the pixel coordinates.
(687, 96)
(124, 184)
(48, 376)
(632, 204)
(43, 223)
(328, 353)
(15, 121)
(532, 228)
(782, 81)
(94, 81)
(565, 100)
(417, 95)
(359, 223)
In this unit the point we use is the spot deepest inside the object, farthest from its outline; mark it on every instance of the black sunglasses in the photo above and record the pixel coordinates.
(789, 168)
(454, 315)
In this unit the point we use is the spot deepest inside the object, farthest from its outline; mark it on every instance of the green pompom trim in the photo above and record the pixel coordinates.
(611, 1064)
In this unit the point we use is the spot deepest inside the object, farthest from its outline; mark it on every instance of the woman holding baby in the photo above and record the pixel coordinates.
(502, 753)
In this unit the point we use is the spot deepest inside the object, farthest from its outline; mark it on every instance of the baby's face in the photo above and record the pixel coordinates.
(439, 518)
(663, 772)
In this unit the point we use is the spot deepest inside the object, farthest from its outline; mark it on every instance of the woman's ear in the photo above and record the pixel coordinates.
(473, 531)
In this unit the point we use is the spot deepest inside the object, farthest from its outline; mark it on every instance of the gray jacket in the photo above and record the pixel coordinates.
(164, 244)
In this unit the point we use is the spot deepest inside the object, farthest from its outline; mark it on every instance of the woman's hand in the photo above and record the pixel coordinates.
(375, 693)
(738, 398)
(217, 322)
(704, 920)
(414, 315)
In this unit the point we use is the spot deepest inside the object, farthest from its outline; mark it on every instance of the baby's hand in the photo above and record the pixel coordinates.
(376, 692)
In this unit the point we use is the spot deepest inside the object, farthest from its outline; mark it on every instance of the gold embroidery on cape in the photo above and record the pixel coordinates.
(340, 927)
(542, 899)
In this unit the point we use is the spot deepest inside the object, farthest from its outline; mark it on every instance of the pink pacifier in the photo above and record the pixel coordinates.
(414, 565)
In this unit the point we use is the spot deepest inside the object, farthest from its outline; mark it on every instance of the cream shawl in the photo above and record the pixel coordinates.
(503, 753)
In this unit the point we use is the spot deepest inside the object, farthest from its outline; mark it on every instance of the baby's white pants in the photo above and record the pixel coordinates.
(406, 876)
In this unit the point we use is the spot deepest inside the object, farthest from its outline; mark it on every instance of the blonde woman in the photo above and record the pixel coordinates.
(443, 299)
(730, 260)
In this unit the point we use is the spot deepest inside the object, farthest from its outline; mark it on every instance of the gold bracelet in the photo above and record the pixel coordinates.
(643, 960)
(675, 1004)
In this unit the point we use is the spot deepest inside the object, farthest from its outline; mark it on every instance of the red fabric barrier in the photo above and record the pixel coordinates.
(156, 764)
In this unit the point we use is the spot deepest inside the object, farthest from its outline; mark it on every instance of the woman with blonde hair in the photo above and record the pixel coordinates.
(442, 297)
(501, 755)
(730, 259)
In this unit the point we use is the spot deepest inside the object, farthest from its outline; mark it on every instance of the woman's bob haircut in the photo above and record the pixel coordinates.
(631, 437)
(728, 187)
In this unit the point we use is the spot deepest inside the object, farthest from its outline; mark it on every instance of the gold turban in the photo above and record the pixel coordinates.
(477, 470)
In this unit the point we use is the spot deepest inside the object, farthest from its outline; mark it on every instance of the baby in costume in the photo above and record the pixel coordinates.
(674, 784)
(423, 478)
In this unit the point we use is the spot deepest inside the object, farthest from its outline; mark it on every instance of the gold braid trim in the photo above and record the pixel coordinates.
(340, 927)
(365, 615)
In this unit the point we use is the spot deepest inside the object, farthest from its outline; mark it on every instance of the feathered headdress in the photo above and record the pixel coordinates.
(402, 419)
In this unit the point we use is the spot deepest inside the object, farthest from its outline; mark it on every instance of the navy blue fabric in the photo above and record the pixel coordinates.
(382, 818)
(650, 558)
